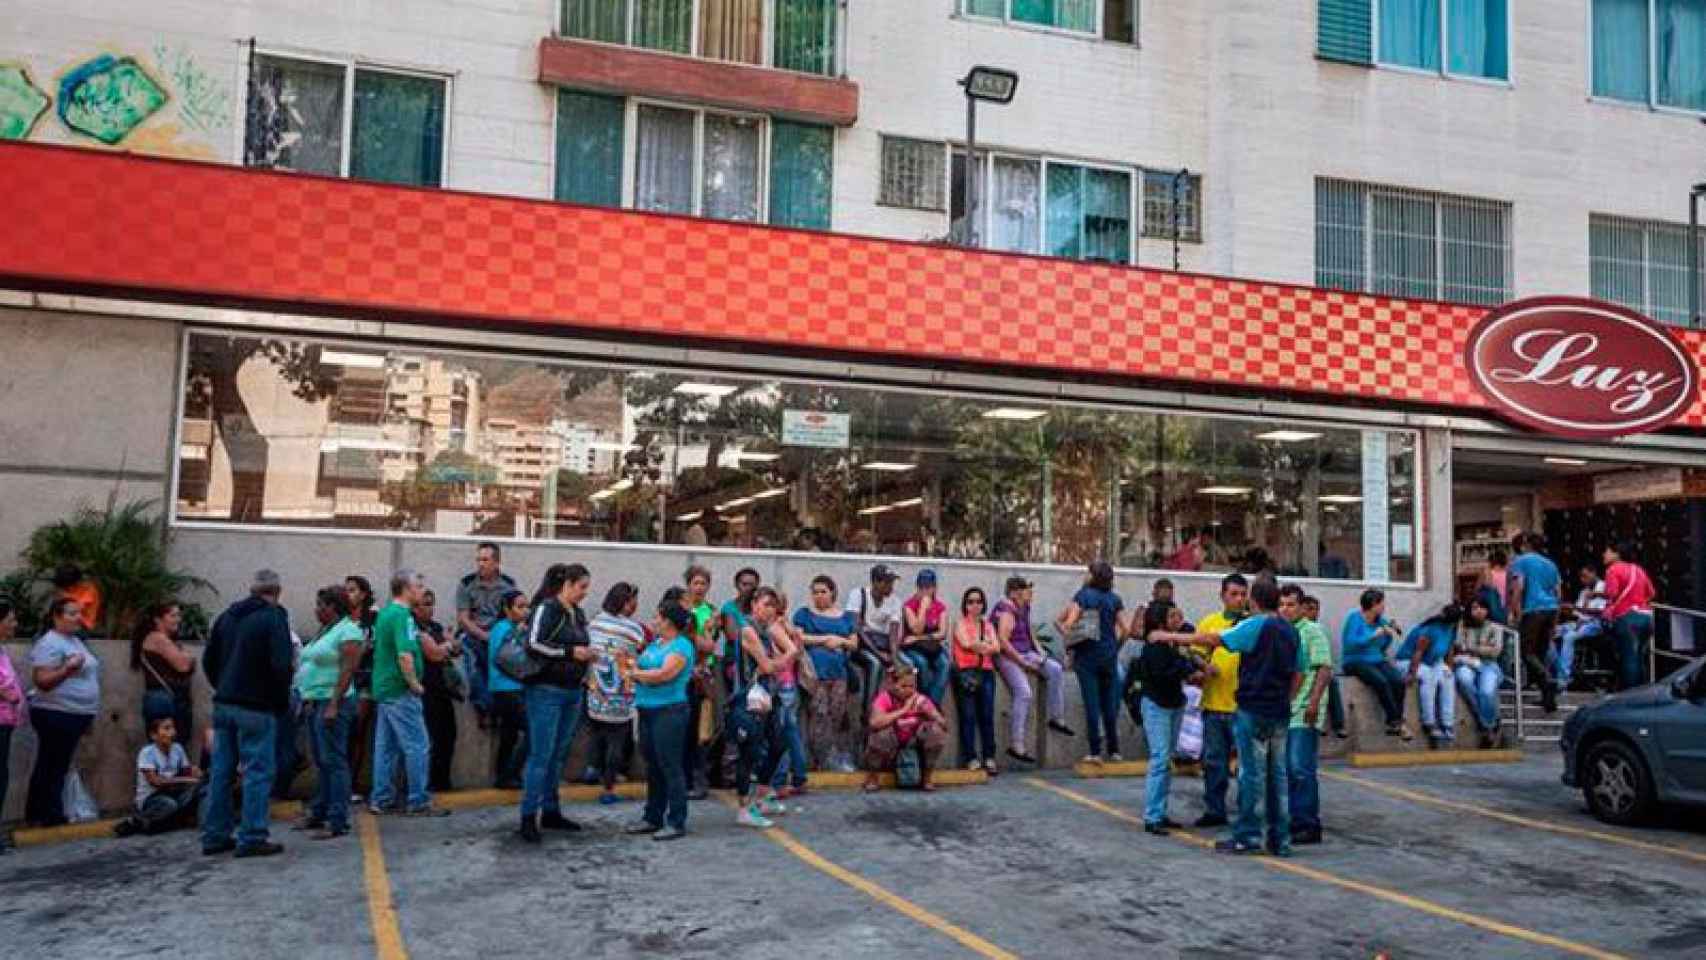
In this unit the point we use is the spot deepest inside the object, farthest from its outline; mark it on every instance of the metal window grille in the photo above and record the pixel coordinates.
(1158, 196)
(1412, 243)
(913, 174)
(1642, 264)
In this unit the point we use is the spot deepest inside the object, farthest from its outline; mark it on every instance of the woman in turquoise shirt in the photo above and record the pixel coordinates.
(1426, 648)
(660, 677)
(506, 694)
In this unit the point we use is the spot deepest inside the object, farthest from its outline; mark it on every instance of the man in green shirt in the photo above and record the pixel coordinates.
(401, 728)
(1308, 716)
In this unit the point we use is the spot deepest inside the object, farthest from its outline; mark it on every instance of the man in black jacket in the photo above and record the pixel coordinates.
(249, 662)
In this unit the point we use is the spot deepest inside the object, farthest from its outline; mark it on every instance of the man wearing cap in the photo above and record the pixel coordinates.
(1021, 658)
(249, 660)
(877, 610)
(924, 641)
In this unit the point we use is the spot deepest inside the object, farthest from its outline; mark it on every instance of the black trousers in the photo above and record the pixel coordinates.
(440, 712)
(512, 737)
(612, 748)
(57, 733)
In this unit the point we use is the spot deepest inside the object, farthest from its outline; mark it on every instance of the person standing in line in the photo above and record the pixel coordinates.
(1335, 699)
(1427, 648)
(1629, 609)
(64, 700)
(1308, 715)
(614, 638)
(556, 636)
(976, 645)
(1164, 672)
(479, 606)
(924, 637)
(401, 738)
(441, 650)
(507, 710)
(1021, 659)
(1095, 661)
(249, 656)
(1475, 660)
(362, 611)
(1363, 641)
(659, 677)
(1533, 603)
(325, 683)
(880, 617)
(752, 715)
(705, 685)
(903, 719)
(830, 636)
(1220, 700)
(790, 777)
(167, 668)
(11, 705)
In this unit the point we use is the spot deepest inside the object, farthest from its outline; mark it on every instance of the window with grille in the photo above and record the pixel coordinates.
(913, 174)
(1411, 243)
(1114, 20)
(1162, 189)
(1642, 264)
(801, 34)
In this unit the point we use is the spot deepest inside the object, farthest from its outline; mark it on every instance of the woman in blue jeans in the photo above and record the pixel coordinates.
(1095, 661)
(660, 676)
(976, 645)
(1163, 671)
(557, 639)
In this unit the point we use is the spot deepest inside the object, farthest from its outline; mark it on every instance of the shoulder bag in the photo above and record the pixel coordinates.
(518, 663)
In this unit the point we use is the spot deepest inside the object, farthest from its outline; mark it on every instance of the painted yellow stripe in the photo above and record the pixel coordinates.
(882, 895)
(1357, 886)
(1435, 758)
(1511, 818)
(381, 910)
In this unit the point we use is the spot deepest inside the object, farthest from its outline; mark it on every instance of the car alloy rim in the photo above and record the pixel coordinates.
(1614, 784)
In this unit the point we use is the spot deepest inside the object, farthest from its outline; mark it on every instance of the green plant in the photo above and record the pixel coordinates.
(121, 548)
(25, 592)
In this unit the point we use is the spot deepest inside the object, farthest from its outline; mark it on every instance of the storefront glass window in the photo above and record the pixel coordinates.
(290, 432)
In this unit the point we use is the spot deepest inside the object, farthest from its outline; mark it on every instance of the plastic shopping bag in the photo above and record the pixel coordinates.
(79, 802)
(1190, 728)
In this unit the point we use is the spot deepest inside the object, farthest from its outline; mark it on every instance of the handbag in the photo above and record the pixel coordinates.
(1087, 629)
(805, 672)
(969, 680)
(516, 661)
(455, 681)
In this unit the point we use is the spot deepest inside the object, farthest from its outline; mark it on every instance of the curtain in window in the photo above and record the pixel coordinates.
(1617, 262)
(296, 117)
(1015, 206)
(1065, 14)
(1340, 235)
(805, 36)
(605, 20)
(801, 174)
(1479, 41)
(732, 30)
(986, 8)
(398, 129)
(664, 25)
(1475, 247)
(1409, 33)
(1620, 49)
(1107, 216)
(1065, 210)
(663, 160)
(589, 148)
(1404, 247)
(731, 167)
(1681, 34)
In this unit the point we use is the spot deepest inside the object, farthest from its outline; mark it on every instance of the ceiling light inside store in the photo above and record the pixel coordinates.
(888, 466)
(767, 494)
(1288, 436)
(1566, 461)
(873, 511)
(697, 389)
(690, 517)
(760, 457)
(732, 504)
(1014, 413)
(915, 501)
(1341, 498)
(366, 361)
(1224, 491)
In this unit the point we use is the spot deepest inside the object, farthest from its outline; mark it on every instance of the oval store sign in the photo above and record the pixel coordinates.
(1580, 368)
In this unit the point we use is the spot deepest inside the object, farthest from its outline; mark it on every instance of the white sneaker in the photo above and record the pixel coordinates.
(750, 816)
(1094, 758)
(772, 806)
(1115, 758)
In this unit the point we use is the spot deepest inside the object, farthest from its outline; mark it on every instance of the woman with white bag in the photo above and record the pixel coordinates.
(63, 703)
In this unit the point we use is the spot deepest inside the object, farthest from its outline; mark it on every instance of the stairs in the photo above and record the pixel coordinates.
(1538, 727)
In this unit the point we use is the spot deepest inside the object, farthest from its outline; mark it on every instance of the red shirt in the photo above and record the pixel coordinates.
(1628, 588)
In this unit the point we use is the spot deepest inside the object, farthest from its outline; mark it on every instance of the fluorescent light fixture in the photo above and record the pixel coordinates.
(621, 485)
(732, 504)
(760, 457)
(1014, 413)
(343, 358)
(873, 511)
(609, 446)
(888, 466)
(1224, 491)
(690, 517)
(767, 494)
(1288, 436)
(915, 501)
(1341, 498)
(1566, 461)
(1329, 509)
(713, 390)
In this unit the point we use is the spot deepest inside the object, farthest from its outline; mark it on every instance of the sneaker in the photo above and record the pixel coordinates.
(224, 846)
(990, 768)
(530, 829)
(427, 811)
(1341, 733)
(1115, 758)
(1210, 820)
(751, 816)
(1094, 758)
(265, 848)
(1237, 847)
(606, 799)
(974, 766)
(1158, 829)
(1061, 728)
(1404, 733)
(669, 833)
(1306, 838)
(641, 827)
(554, 820)
(772, 806)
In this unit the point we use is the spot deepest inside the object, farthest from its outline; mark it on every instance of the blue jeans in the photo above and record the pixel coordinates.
(1387, 682)
(1098, 685)
(239, 732)
(1262, 780)
(474, 668)
(663, 730)
(1217, 743)
(788, 715)
(1303, 754)
(553, 716)
(401, 735)
(1634, 634)
(1480, 686)
(1561, 655)
(977, 720)
(932, 672)
(1161, 729)
(328, 745)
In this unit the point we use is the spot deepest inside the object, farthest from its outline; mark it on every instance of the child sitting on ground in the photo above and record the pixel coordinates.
(168, 786)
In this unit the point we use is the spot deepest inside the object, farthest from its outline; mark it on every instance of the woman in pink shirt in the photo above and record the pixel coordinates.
(1629, 610)
(11, 704)
(924, 641)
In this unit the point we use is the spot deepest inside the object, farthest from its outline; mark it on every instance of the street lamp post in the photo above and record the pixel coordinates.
(1694, 197)
(996, 86)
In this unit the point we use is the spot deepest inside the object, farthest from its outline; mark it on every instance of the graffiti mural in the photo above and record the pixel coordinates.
(204, 102)
(21, 103)
(106, 98)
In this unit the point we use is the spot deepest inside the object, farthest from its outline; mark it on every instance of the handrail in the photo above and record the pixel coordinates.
(1516, 669)
(1653, 651)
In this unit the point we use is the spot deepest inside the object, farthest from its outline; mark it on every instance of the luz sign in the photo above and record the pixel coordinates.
(1580, 368)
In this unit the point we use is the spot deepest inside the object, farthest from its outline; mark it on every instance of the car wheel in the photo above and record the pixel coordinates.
(1615, 783)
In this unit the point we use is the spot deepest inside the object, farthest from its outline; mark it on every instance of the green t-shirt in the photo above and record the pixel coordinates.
(1313, 652)
(393, 634)
(704, 617)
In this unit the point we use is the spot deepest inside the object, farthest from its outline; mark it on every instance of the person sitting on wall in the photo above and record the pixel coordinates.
(1363, 641)
(1581, 624)
(903, 719)
(168, 787)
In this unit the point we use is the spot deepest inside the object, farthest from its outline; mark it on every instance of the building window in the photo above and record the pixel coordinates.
(802, 33)
(290, 431)
(1642, 264)
(589, 148)
(802, 165)
(1465, 38)
(299, 112)
(1165, 191)
(1650, 51)
(1114, 20)
(914, 174)
(1408, 243)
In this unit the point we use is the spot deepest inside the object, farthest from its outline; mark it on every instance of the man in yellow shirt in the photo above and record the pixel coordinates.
(1220, 700)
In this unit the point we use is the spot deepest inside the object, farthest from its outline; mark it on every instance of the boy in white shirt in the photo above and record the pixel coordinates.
(168, 786)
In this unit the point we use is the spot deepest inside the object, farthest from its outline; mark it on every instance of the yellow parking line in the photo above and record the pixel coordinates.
(387, 934)
(1357, 886)
(1511, 818)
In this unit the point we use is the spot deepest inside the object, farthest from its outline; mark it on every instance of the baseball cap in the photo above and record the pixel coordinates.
(926, 577)
(883, 571)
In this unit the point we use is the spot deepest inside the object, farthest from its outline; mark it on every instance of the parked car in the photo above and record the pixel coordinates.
(1638, 749)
